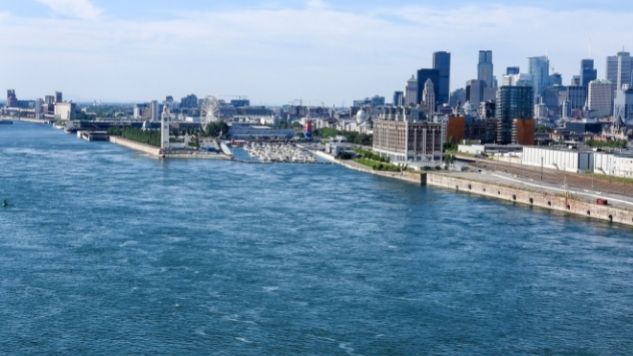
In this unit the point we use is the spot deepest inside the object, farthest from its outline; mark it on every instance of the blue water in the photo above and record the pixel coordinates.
(107, 251)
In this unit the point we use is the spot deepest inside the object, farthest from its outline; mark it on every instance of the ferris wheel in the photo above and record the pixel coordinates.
(210, 110)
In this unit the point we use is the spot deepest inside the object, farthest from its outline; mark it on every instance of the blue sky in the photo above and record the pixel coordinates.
(277, 51)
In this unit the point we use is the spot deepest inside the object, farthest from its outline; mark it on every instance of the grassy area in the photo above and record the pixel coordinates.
(607, 144)
(151, 138)
(611, 179)
(375, 161)
(352, 137)
(377, 165)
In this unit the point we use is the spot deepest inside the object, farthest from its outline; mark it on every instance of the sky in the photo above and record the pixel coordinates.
(281, 51)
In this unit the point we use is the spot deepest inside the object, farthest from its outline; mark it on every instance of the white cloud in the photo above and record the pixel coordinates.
(82, 9)
(317, 53)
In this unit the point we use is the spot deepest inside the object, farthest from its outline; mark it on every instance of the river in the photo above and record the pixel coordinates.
(107, 251)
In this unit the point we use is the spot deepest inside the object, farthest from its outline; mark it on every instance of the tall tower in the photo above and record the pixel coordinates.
(513, 102)
(539, 70)
(428, 98)
(485, 68)
(165, 119)
(442, 63)
(619, 69)
(423, 75)
(587, 72)
(411, 91)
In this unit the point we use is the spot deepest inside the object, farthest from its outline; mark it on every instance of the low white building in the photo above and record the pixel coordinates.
(617, 165)
(561, 159)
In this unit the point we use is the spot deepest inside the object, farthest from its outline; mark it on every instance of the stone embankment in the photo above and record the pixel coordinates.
(561, 202)
(136, 146)
(564, 203)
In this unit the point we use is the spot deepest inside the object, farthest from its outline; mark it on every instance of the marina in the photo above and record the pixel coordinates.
(279, 153)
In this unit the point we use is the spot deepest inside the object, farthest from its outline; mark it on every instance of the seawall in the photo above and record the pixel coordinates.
(525, 196)
(545, 200)
(136, 146)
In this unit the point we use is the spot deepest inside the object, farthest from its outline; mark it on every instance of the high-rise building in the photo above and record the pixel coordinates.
(442, 63)
(411, 91)
(587, 72)
(59, 97)
(457, 98)
(428, 98)
(620, 69)
(398, 98)
(189, 101)
(600, 100)
(556, 79)
(539, 70)
(623, 105)
(423, 76)
(521, 79)
(485, 68)
(513, 102)
(576, 96)
(475, 91)
(513, 70)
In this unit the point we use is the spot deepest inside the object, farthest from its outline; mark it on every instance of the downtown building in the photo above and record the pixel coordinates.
(587, 72)
(623, 105)
(442, 63)
(620, 70)
(539, 70)
(485, 68)
(423, 76)
(404, 140)
(514, 104)
(600, 98)
(411, 92)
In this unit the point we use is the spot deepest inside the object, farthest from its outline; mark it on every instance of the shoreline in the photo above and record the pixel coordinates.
(156, 152)
(562, 203)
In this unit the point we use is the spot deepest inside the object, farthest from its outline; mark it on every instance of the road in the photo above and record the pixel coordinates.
(576, 182)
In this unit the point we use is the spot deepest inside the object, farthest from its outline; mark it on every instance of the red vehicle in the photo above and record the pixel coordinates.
(601, 201)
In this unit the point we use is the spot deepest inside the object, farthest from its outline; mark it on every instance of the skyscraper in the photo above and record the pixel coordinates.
(398, 98)
(423, 76)
(513, 102)
(587, 72)
(485, 68)
(539, 70)
(513, 70)
(600, 100)
(619, 69)
(623, 105)
(428, 98)
(475, 91)
(556, 79)
(411, 91)
(442, 63)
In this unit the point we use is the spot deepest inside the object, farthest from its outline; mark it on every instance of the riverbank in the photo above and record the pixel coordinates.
(32, 121)
(515, 192)
(156, 152)
(563, 202)
(136, 146)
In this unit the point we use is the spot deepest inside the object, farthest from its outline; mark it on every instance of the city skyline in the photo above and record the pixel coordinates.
(284, 50)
